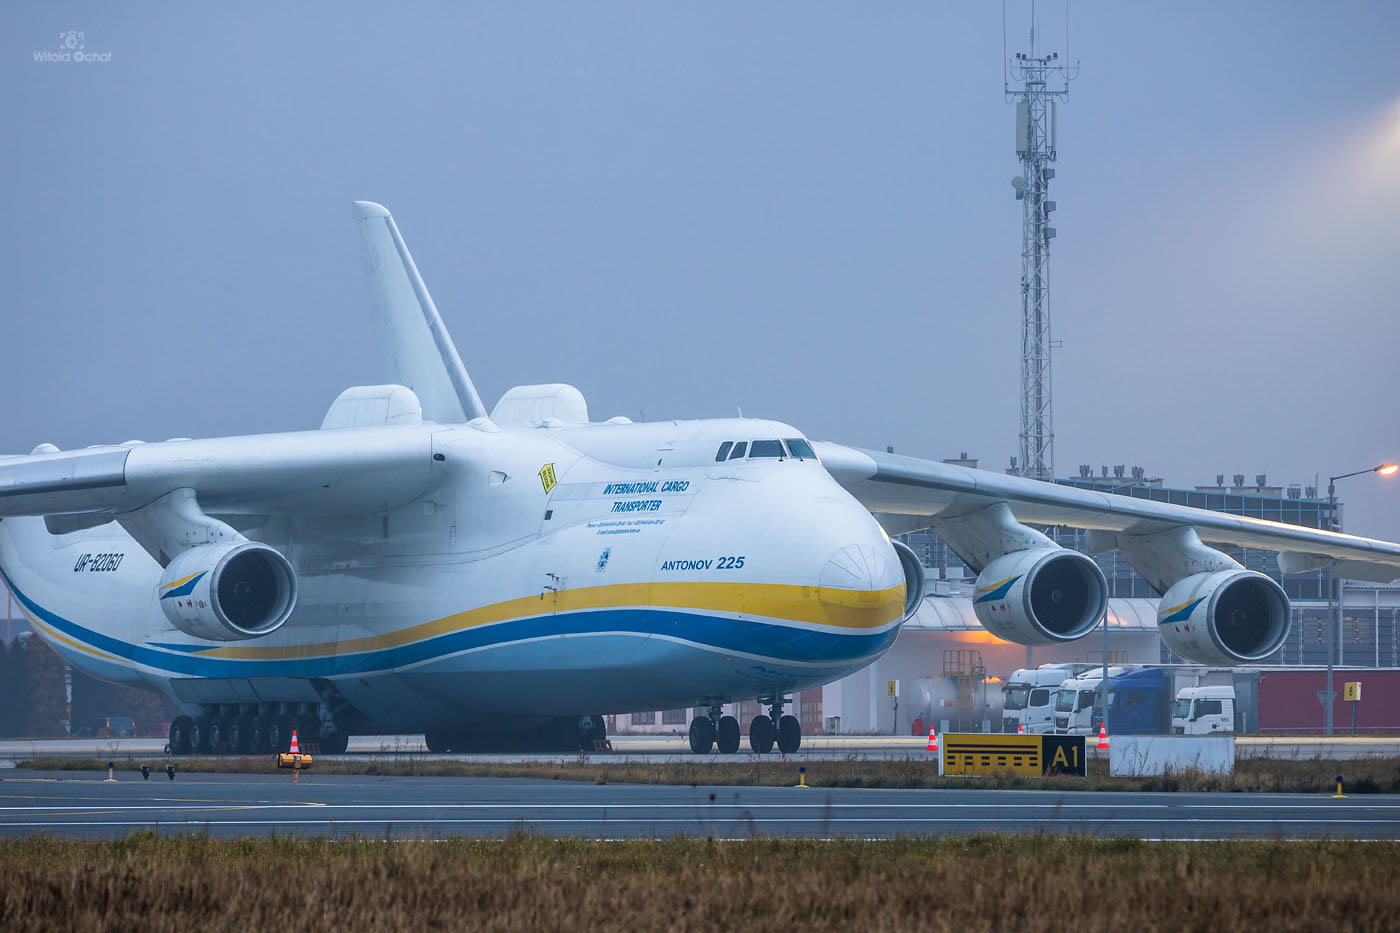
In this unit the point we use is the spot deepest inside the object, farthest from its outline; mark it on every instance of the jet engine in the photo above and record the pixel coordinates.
(1041, 596)
(914, 579)
(1225, 617)
(229, 591)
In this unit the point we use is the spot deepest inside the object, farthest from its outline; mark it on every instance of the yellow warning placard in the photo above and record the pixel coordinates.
(1352, 691)
(991, 753)
(547, 477)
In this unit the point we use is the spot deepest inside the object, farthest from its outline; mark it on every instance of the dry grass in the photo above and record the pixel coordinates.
(148, 882)
(1252, 775)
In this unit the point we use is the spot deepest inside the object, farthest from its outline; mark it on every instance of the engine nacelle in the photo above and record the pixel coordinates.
(228, 592)
(1224, 617)
(1041, 597)
(914, 578)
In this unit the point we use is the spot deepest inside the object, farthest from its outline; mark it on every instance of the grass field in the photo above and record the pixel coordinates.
(1252, 775)
(148, 882)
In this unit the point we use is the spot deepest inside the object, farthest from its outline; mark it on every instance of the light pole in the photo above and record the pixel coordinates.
(1334, 598)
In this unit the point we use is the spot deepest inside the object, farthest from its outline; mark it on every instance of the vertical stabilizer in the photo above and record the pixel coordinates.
(416, 349)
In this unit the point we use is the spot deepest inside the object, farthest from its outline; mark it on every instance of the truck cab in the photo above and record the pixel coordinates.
(1076, 700)
(1028, 699)
(1139, 702)
(1204, 711)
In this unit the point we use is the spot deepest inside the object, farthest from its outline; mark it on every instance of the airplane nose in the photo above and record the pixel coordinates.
(856, 567)
(862, 586)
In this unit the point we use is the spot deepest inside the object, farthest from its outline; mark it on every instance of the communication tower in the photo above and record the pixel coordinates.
(1036, 82)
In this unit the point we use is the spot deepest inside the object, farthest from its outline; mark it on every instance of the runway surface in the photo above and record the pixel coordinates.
(662, 748)
(343, 805)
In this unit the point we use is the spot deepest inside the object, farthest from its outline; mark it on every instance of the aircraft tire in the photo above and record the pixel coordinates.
(279, 734)
(761, 735)
(257, 735)
(789, 734)
(199, 736)
(180, 735)
(702, 735)
(238, 735)
(727, 740)
(218, 737)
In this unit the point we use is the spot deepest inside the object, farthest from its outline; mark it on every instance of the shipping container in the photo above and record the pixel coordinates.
(1288, 702)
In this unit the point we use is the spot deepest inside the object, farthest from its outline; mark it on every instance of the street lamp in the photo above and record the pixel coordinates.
(1334, 596)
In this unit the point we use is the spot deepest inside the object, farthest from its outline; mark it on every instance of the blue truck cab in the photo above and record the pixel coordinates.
(1139, 702)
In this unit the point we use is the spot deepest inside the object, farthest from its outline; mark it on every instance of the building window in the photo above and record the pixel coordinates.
(673, 717)
(644, 719)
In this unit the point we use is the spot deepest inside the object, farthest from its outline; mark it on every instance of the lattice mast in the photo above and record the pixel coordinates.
(1036, 82)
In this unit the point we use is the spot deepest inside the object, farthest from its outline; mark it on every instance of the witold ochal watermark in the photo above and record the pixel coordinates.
(72, 49)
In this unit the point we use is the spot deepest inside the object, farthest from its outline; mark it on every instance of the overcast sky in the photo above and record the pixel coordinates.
(800, 209)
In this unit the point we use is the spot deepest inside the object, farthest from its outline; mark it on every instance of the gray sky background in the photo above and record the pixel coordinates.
(803, 209)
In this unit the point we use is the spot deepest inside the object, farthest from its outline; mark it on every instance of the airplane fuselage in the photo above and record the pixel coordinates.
(540, 572)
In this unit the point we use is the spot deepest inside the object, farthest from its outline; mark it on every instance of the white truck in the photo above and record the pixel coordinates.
(1204, 711)
(1075, 701)
(1028, 698)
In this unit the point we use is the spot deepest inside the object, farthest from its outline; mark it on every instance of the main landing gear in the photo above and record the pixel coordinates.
(721, 733)
(714, 731)
(763, 732)
(254, 729)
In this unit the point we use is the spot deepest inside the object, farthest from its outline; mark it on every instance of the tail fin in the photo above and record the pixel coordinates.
(417, 350)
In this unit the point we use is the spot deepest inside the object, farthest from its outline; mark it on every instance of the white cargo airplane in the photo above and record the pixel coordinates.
(505, 579)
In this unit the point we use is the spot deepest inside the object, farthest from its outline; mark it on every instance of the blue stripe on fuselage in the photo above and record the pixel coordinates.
(767, 640)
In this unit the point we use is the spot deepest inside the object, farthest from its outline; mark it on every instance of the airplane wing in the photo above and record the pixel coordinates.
(925, 493)
(327, 471)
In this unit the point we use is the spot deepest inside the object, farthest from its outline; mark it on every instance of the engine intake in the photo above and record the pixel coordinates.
(228, 592)
(1225, 617)
(915, 580)
(1041, 597)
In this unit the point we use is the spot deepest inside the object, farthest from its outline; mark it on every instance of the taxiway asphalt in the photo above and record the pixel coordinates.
(85, 805)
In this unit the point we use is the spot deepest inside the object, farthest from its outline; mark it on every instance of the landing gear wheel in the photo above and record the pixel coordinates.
(218, 737)
(180, 735)
(257, 736)
(199, 736)
(789, 734)
(727, 739)
(761, 735)
(702, 735)
(439, 743)
(238, 736)
(335, 744)
(279, 734)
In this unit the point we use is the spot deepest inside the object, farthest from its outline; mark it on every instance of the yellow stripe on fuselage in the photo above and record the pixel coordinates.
(850, 609)
(56, 635)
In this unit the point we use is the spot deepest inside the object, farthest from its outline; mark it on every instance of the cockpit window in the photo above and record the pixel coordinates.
(723, 451)
(801, 449)
(766, 449)
(738, 452)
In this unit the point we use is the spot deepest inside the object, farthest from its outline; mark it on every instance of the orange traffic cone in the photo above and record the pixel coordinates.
(1021, 730)
(294, 749)
(1103, 737)
(932, 739)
